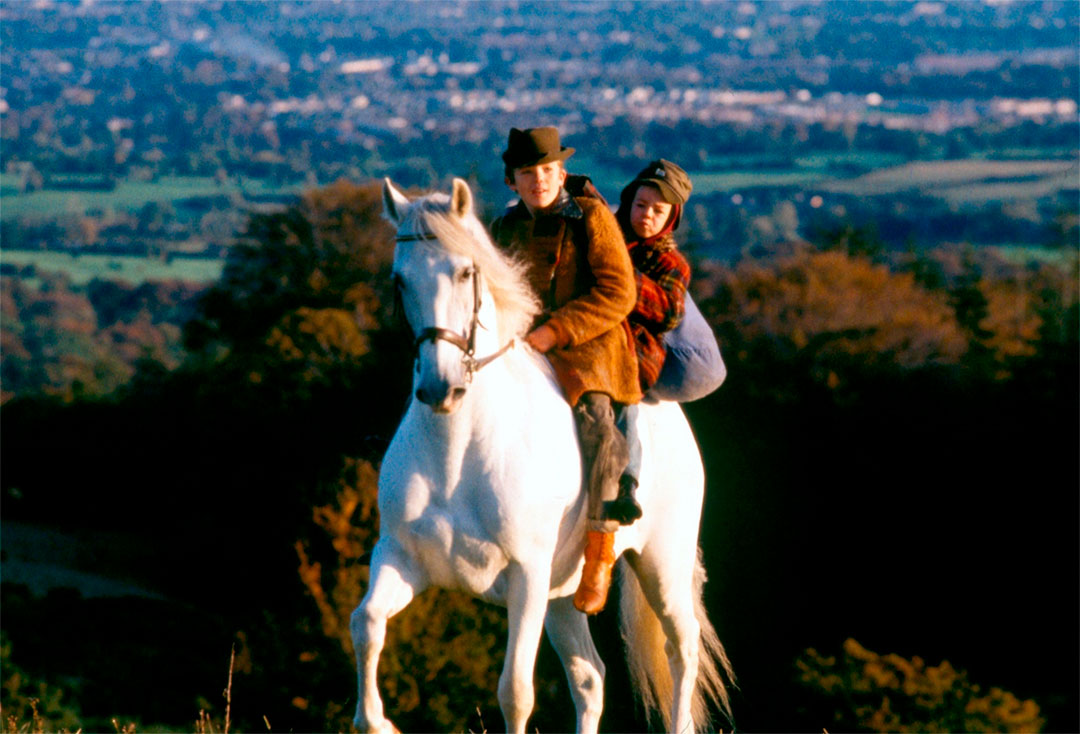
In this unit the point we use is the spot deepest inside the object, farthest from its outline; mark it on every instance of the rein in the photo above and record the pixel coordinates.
(466, 344)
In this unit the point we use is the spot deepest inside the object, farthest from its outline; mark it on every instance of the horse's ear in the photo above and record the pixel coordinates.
(393, 201)
(461, 199)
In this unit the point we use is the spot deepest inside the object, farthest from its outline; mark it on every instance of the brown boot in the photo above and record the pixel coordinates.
(596, 576)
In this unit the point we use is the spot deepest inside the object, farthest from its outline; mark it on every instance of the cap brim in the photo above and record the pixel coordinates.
(669, 194)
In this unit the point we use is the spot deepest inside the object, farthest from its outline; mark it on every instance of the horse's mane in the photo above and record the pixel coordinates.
(466, 236)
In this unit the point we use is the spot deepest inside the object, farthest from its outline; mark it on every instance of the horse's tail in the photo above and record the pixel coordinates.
(644, 639)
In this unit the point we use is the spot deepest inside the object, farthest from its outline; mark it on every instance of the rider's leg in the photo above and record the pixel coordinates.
(625, 508)
(604, 455)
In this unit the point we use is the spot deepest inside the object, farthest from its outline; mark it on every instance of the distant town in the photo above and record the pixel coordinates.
(227, 105)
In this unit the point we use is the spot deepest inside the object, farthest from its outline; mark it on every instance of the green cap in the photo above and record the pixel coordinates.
(672, 180)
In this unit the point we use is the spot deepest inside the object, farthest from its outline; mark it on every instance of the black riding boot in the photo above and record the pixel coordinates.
(624, 508)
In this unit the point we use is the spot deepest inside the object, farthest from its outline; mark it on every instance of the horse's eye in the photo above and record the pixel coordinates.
(465, 274)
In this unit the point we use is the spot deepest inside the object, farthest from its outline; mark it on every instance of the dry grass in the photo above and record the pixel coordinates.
(204, 724)
(36, 725)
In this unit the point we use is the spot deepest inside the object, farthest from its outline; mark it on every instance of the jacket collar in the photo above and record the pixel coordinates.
(563, 206)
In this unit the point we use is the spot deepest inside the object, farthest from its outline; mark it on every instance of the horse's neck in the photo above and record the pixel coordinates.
(445, 441)
(486, 423)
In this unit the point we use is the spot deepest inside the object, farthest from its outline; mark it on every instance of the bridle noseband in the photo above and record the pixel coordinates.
(466, 344)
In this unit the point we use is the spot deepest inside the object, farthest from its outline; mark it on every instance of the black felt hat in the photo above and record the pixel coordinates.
(533, 147)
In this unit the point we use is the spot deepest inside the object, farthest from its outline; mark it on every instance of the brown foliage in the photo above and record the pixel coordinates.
(348, 219)
(832, 307)
(1011, 307)
(888, 693)
(318, 338)
(304, 287)
(834, 311)
(67, 340)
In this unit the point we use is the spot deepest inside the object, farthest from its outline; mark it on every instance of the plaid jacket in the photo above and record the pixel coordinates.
(663, 276)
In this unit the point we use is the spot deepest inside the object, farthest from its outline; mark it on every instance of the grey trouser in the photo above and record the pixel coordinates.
(626, 421)
(604, 455)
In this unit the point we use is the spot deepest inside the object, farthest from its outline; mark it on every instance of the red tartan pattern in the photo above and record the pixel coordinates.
(662, 275)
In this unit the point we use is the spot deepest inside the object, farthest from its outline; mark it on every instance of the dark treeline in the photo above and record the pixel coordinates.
(892, 459)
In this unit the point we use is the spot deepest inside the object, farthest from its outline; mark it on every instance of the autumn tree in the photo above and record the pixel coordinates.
(304, 288)
(831, 313)
(1011, 313)
(68, 340)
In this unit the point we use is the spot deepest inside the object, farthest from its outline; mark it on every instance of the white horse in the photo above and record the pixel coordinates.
(480, 490)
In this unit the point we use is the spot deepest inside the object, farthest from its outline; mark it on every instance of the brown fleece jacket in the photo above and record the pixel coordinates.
(579, 267)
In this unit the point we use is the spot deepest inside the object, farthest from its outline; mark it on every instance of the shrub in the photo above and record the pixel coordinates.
(888, 693)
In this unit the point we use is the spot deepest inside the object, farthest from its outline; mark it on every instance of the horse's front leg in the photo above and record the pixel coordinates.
(526, 603)
(394, 583)
(568, 631)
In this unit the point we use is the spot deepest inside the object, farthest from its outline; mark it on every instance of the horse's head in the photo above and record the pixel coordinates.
(440, 289)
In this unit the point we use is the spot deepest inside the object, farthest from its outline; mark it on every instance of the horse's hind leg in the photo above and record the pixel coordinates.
(393, 585)
(568, 631)
(671, 599)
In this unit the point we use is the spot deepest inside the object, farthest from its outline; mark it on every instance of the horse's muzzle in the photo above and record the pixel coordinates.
(441, 399)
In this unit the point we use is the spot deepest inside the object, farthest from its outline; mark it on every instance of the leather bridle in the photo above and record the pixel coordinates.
(467, 344)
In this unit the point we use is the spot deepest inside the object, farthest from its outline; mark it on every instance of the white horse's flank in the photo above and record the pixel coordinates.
(480, 490)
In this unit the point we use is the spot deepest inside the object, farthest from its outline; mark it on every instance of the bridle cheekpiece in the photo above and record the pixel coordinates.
(466, 344)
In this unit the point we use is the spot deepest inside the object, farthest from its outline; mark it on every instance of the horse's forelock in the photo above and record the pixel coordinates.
(414, 219)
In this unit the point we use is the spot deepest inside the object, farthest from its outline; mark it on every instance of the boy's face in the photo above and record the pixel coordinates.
(538, 186)
(649, 212)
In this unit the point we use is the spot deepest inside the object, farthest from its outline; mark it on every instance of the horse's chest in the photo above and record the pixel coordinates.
(457, 554)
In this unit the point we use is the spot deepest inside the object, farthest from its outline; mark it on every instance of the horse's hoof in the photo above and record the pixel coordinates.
(366, 727)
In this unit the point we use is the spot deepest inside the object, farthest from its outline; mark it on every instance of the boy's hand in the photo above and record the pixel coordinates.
(541, 339)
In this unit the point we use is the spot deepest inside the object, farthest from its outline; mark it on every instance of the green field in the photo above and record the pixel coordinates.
(82, 269)
(980, 193)
(1062, 257)
(127, 196)
(707, 183)
(969, 180)
(733, 173)
(825, 160)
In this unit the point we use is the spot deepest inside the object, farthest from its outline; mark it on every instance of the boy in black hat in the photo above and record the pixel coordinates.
(579, 267)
